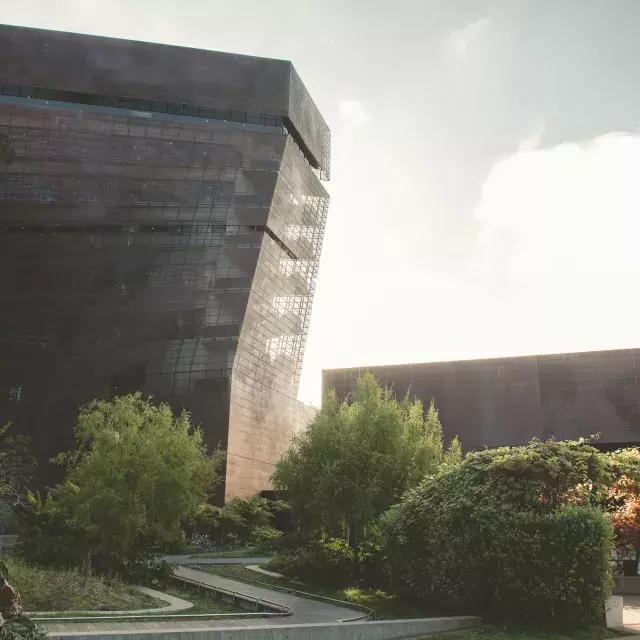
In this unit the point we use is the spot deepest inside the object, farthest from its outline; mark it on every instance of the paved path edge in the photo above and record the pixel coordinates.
(173, 604)
(380, 630)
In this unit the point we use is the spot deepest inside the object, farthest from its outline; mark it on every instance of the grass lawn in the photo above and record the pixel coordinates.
(48, 589)
(203, 602)
(385, 605)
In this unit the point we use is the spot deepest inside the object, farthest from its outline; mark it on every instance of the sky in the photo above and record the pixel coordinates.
(485, 191)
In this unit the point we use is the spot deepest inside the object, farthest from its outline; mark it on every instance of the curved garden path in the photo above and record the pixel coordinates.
(304, 610)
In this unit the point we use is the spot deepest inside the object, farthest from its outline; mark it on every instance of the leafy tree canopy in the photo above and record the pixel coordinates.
(358, 457)
(138, 471)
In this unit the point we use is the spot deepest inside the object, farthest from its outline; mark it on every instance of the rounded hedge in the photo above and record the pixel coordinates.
(495, 536)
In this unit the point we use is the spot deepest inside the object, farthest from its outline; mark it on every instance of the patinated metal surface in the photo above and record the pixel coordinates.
(160, 229)
(508, 401)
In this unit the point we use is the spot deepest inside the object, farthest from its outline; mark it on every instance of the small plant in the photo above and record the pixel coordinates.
(21, 628)
(265, 538)
(13, 625)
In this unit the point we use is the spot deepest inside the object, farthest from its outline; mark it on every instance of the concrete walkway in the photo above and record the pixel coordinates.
(304, 611)
(631, 613)
(188, 560)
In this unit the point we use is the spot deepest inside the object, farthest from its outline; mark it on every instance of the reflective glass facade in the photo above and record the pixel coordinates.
(154, 244)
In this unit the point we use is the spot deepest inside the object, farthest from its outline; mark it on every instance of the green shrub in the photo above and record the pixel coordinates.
(46, 533)
(328, 562)
(21, 628)
(242, 521)
(283, 562)
(282, 515)
(371, 565)
(145, 569)
(333, 562)
(265, 538)
(495, 536)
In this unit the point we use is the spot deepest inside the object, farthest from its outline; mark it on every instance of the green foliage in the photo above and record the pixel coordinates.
(265, 538)
(371, 564)
(137, 473)
(330, 562)
(356, 459)
(539, 476)
(58, 589)
(283, 519)
(21, 628)
(333, 562)
(497, 534)
(17, 466)
(241, 521)
(47, 531)
(453, 455)
(625, 462)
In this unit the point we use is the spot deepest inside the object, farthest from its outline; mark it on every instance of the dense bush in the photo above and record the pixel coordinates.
(371, 565)
(329, 562)
(333, 562)
(265, 538)
(137, 473)
(240, 522)
(48, 534)
(497, 535)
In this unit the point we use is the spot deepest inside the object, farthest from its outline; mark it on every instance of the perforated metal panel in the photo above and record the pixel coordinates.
(508, 401)
(157, 251)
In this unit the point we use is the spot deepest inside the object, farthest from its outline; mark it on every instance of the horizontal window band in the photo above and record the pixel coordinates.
(199, 229)
(161, 107)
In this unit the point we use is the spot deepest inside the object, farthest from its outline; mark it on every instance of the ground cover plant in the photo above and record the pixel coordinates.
(58, 589)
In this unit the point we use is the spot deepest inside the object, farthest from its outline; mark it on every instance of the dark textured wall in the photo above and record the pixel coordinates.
(171, 254)
(115, 67)
(511, 400)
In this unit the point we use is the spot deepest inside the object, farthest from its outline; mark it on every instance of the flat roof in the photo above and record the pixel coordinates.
(144, 70)
(598, 352)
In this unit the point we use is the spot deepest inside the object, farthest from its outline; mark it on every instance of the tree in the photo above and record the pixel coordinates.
(357, 458)
(17, 466)
(138, 471)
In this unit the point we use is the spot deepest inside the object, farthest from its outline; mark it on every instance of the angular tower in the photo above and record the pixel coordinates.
(161, 221)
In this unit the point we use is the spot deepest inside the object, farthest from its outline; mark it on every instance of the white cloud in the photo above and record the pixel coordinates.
(534, 139)
(353, 114)
(563, 223)
(459, 41)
